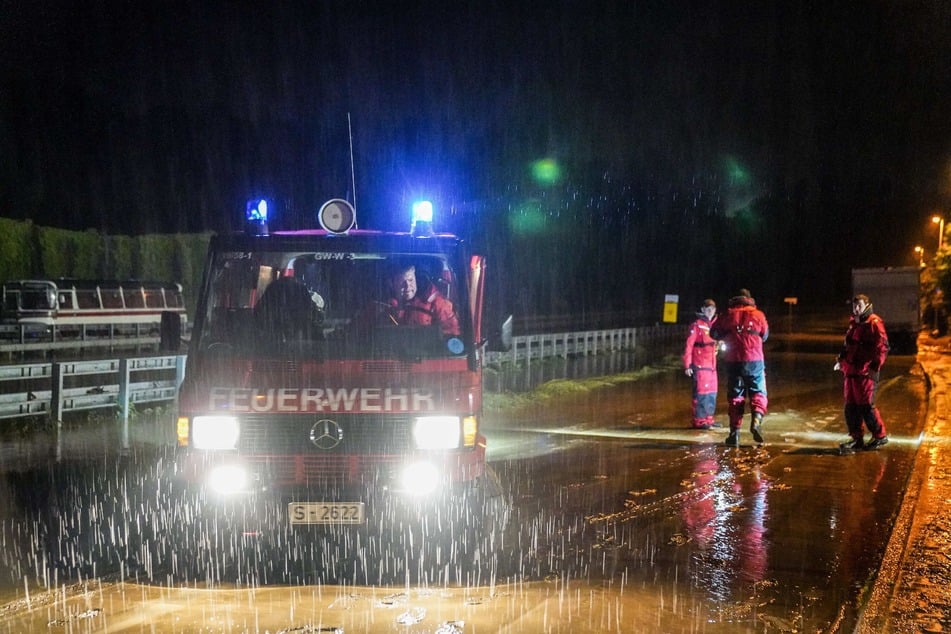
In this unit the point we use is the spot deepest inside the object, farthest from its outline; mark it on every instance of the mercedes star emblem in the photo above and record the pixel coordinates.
(326, 434)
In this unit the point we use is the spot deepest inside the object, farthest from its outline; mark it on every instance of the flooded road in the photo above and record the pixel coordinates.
(623, 519)
(615, 488)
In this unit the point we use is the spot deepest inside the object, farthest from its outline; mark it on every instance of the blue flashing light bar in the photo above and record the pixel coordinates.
(255, 216)
(422, 218)
(257, 211)
(422, 211)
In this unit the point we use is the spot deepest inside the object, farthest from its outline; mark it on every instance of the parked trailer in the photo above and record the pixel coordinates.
(895, 295)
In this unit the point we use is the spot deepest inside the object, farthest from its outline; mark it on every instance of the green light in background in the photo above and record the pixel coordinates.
(747, 220)
(546, 171)
(737, 173)
(527, 218)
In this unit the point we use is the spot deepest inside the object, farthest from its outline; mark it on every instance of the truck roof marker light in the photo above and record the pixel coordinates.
(337, 216)
(255, 216)
(422, 219)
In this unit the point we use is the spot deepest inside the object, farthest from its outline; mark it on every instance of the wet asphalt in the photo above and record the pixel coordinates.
(622, 520)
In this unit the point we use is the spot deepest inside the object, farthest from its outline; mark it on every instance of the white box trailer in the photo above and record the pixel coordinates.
(894, 292)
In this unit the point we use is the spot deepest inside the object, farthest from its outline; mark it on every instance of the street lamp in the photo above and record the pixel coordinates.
(920, 251)
(939, 220)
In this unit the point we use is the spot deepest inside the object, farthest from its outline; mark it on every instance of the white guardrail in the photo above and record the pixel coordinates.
(56, 388)
(526, 348)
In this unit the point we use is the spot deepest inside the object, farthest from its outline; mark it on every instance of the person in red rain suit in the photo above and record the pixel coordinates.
(866, 346)
(743, 329)
(700, 363)
(408, 306)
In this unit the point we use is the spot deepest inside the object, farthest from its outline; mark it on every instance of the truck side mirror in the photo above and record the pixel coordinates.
(170, 332)
(501, 341)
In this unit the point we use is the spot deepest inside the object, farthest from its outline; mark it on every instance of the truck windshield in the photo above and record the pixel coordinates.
(333, 305)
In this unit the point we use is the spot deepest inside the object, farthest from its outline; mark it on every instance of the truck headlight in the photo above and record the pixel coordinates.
(215, 432)
(437, 432)
(228, 479)
(419, 478)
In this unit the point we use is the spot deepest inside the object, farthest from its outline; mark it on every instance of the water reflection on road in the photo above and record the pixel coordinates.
(787, 534)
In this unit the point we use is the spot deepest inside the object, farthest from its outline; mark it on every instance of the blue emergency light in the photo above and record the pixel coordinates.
(255, 216)
(422, 218)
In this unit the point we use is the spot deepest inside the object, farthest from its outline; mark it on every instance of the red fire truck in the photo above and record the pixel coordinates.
(334, 388)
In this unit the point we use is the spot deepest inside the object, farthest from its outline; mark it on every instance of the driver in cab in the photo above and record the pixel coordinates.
(408, 306)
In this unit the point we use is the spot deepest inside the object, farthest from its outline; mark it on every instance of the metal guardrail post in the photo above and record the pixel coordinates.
(124, 400)
(56, 395)
(179, 370)
(56, 405)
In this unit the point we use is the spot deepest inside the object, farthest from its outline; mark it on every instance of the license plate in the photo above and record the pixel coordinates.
(325, 512)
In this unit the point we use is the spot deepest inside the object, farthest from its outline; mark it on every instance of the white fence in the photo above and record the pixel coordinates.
(526, 348)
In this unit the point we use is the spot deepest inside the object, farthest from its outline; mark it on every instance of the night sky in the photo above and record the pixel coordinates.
(694, 146)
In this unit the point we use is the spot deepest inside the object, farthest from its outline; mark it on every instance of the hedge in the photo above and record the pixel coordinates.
(28, 251)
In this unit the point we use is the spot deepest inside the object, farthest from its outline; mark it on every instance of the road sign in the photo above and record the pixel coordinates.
(670, 308)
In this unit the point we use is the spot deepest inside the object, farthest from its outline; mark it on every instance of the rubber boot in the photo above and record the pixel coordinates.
(755, 427)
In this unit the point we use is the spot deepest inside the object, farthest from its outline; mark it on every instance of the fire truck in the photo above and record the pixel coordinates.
(334, 389)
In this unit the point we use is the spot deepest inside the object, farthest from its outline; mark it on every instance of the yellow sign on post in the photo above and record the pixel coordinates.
(670, 308)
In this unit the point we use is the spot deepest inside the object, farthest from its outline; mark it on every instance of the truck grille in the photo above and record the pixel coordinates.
(290, 435)
(325, 471)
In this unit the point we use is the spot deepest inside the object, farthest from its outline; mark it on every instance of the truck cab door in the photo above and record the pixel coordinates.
(476, 294)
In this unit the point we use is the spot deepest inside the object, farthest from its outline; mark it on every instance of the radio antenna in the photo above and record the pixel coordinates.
(353, 177)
